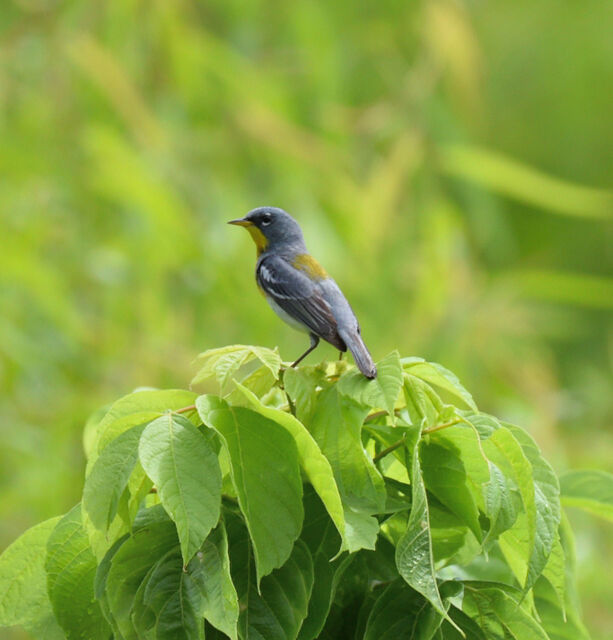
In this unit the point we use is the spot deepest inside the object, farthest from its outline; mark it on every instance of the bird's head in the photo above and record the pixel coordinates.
(270, 226)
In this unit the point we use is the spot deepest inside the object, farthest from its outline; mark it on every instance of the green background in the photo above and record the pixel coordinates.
(450, 163)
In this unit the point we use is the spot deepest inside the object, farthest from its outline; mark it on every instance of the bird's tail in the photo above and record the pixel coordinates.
(360, 353)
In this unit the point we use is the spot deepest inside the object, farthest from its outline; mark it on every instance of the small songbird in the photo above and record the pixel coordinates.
(298, 288)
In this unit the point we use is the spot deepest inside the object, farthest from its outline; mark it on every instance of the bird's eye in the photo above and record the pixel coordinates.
(266, 219)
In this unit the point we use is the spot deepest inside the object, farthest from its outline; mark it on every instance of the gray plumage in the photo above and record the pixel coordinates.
(300, 291)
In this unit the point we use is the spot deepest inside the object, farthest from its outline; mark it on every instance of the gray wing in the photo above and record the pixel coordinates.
(298, 296)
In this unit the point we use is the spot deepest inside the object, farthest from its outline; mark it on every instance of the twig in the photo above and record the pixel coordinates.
(191, 407)
(438, 427)
(400, 442)
(389, 449)
(374, 416)
(292, 408)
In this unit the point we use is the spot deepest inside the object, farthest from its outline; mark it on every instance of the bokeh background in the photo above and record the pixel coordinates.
(450, 162)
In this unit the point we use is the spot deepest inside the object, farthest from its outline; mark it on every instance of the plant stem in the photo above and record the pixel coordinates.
(400, 442)
(438, 427)
(374, 416)
(190, 407)
(389, 449)
(292, 408)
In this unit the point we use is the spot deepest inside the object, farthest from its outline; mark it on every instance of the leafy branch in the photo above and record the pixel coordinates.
(258, 513)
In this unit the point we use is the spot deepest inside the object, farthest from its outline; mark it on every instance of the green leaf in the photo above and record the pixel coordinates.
(285, 593)
(137, 408)
(90, 429)
(361, 530)
(363, 612)
(414, 549)
(321, 598)
(104, 567)
(109, 477)
(185, 469)
(101, 540)
(139, 487)
(146, 518)
(498, 613)
(143, 616)
(451, 539)
(23, 583)
(100, 585)
(502, 503)
(224, 363)
(555, 572)
(382, 391)
(301, 385)
(205, 585)
(435, 374)
(558, 623)
(463, 439)
(275, 611)
(313, 462)
(470, 628)
(260, 381)
(359, 580)
(590, 490)
(400, 613)
(219, 599)
(322, 539)
(130, 564)
(547, 504)
(445, 476)
(336, 426)
(71, 568)
(572, 604)
(502, 448)
(266, 475)
(168, 601)
(352, 600)
(422, 405)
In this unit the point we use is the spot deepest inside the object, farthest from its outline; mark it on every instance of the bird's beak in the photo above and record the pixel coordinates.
(241, 222)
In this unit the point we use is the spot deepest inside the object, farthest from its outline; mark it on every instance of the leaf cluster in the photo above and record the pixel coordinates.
(300, 504)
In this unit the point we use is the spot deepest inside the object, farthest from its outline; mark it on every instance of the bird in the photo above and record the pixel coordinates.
(299, 289)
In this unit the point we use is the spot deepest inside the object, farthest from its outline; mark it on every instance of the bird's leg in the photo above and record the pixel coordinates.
(314, 343)
(340, 355)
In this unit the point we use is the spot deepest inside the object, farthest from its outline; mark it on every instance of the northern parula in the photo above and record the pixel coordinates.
(298, 288)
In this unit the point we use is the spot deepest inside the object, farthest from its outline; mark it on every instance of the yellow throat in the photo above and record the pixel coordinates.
(261, 242)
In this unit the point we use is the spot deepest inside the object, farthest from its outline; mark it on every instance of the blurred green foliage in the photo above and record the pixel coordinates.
(450, 163)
